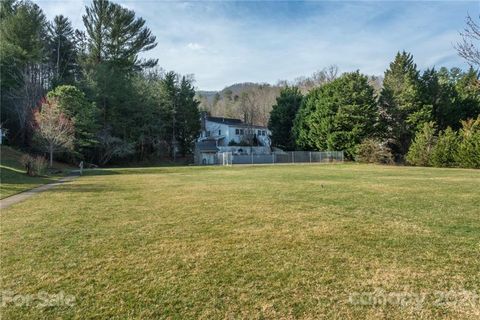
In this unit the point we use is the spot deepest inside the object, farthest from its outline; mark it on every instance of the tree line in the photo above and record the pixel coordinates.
(252, 102)
(119, 106)
(107, 104)
(347, 114)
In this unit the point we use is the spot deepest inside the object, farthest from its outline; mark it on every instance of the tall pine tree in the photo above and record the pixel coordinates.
(282, 117)
(62, 50)
(400, 104)
(187, 117)
(115, 38)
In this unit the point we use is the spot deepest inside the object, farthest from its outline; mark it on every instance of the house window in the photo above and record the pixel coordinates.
(237, 132)
(241, 132)
(219, 132)
(259, 132)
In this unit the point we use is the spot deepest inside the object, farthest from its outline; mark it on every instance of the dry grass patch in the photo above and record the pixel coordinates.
(275, 242)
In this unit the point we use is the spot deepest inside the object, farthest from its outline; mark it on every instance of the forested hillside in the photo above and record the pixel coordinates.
(88, 94)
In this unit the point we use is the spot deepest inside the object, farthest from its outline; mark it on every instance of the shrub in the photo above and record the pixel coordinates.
(232, 143)
(468, 154)
(421, 149)
(39, 165)
(445, 151)
(373, 151)
(27, 161)
(34, 165)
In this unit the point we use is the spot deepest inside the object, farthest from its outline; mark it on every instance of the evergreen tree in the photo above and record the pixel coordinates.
(115, 38)
(301, 124)
(187, 117)
(447, 114)
(338, 115)
(282, 117)
(422, 147)
(445, 151)
(437, 99)
(168, 96)
(24, 26)
(468, 154)
(400, 105)
(96, 23)
(62, 50)
(116, 35)
(468, 102)
(24, 73)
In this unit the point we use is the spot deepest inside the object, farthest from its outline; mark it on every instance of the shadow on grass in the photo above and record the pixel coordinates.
(14, 181)
(144, 170)
(10, 176)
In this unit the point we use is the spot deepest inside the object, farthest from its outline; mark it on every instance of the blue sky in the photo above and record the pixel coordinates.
(223, 43)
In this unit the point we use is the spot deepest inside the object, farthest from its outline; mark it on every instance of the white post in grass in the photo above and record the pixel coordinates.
(310, 155)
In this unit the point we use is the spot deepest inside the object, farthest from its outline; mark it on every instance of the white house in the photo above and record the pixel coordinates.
(228, 131)
(220, 134)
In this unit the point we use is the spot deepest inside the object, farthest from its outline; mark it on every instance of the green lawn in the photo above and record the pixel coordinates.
(13, 178)
(259, 242)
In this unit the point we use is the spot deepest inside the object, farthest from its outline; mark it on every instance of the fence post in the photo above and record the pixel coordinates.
(293, 157)
(310, 154)
(273, 157)
(251, 153)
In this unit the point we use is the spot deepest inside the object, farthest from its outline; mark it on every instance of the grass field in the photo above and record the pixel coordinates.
(265, 242)
(13, 177)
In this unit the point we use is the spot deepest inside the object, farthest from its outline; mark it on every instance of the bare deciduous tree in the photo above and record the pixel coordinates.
(111, 146)
(317, 79)
(469, 47)
(53, 129)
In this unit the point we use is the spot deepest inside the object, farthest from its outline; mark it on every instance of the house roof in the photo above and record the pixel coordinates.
(229, 121)
(243, 125)
(234, 122)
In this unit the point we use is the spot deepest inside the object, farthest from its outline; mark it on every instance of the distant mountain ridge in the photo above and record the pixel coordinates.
(236, 89)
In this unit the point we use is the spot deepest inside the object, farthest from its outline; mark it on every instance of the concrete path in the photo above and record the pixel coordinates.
(16, 198)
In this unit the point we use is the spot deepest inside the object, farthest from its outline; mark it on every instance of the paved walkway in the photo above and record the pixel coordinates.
(16, 198)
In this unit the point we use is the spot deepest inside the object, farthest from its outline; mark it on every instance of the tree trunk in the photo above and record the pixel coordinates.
(51, 156)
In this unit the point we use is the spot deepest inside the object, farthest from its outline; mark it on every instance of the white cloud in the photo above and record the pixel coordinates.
(195, 46)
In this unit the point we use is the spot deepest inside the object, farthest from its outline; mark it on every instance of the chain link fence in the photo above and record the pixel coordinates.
(228, 158)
